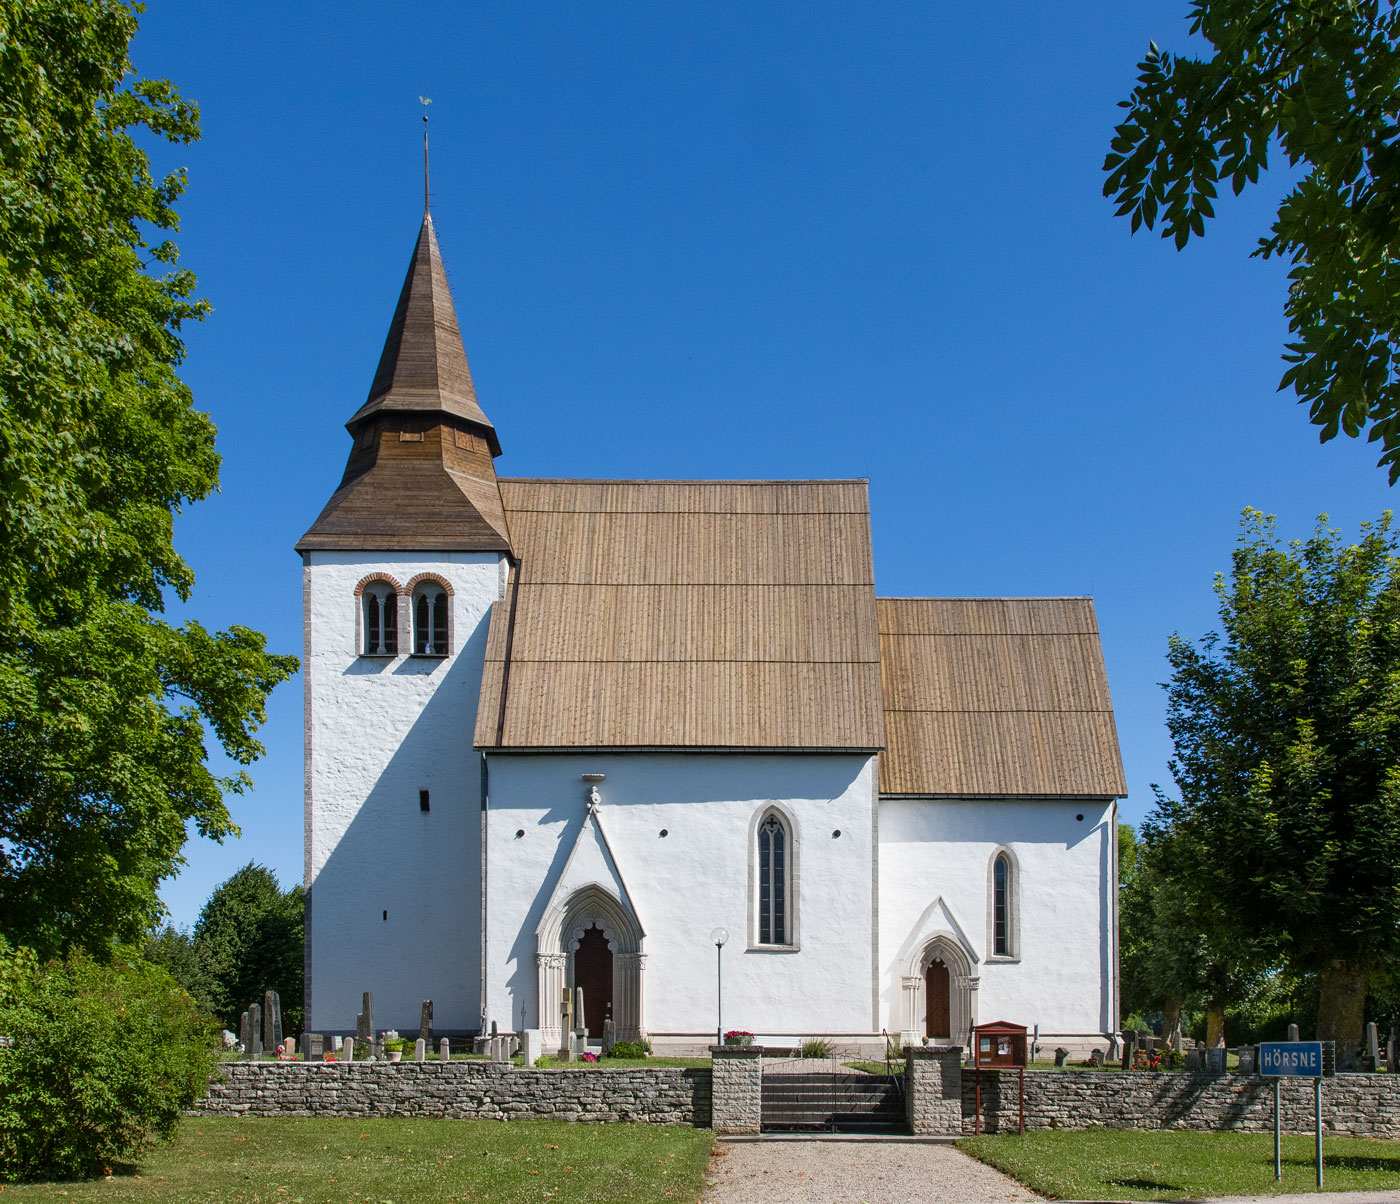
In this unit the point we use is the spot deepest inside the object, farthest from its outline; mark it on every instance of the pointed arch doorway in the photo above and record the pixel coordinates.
(938, 1009)
(591, 940)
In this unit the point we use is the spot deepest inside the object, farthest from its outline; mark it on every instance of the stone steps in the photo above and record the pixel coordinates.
(850, 1103)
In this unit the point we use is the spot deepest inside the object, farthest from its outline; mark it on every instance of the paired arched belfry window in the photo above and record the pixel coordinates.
(430, 636)
(773, 897)
(379, 619)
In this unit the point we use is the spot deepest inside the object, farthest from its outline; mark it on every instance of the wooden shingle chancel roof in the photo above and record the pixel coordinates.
(682, 614)
(996, 696)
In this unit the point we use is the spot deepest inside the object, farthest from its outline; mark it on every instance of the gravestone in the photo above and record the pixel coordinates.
(445, 1050)
(364, 1022)
(272, 1019)
(498, 1049)
(347, 1049)
(609, 1036)
(1215, 1062)
(338, 1043)
(245, 1036)
(313, 1046)
(1176, 1040)
(255, 1030)
(425, 1022)
(1293, 1032)
(1096, 1057)
(1390, 1053)
(481, 1046)
(493, 1028)
(1373, 1044)
(1129, 1048)
(420, 1050)
(1061, 1053)
(530, 1045)
(580, 1026)
(1247, 1060)
(1193, 1060)
(289, 1046)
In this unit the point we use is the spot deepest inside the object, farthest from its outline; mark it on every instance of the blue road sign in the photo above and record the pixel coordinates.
(1291, 1057)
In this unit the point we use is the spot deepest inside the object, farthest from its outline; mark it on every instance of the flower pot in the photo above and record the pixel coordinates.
(746, 1039)
(395, 1055)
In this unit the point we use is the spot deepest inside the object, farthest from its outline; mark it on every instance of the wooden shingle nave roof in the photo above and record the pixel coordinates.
(685, 614)
(996, 696)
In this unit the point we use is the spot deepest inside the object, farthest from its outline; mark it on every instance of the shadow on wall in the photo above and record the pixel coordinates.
(396, 907)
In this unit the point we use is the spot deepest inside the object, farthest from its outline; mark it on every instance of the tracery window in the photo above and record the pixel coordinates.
(380, 619)
(1001, 906)
(430, 635)
(774, 856)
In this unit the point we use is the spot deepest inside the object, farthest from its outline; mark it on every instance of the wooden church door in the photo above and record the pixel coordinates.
(593, 972)
(936, 1001)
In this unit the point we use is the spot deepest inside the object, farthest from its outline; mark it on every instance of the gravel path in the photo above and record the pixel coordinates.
(852, 1172)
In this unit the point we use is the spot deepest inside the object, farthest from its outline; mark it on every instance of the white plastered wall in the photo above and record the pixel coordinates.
(378, 731)
(690, 881)
(934, 871)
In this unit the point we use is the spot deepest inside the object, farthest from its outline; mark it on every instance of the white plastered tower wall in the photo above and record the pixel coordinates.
(690, 881)
(935, 873)
(379, 730)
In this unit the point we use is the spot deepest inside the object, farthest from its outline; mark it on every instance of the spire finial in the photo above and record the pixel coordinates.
(425, 101)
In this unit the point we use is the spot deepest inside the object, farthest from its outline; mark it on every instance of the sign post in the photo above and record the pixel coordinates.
(1293, 1058)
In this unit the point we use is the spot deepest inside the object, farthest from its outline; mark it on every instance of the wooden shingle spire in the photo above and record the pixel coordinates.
(423, 367)
(421, 474)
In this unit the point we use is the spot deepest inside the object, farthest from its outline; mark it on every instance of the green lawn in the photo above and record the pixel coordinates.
(1105, 1164)
(402, 1161)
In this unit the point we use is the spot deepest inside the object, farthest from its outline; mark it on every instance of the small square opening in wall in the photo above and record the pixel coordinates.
(423, 800)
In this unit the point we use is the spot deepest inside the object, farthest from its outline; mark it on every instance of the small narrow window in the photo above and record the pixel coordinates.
(381, 620)
(772, 882)
(430, 621)
(1001, 906)
(423, 800)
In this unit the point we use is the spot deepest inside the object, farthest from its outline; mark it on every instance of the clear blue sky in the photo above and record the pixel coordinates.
(737, 240)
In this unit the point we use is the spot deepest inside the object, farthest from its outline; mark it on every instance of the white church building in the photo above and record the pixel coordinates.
(561, 733)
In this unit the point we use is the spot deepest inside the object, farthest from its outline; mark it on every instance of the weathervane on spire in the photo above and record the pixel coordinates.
(425, 101)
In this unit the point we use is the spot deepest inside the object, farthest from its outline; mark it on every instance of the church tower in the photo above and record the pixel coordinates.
(400, 571)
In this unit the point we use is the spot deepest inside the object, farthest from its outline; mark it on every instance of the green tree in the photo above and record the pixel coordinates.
(173, 949)
(1322, 80)
(1286, 729)
(249, 939)
(103, 704)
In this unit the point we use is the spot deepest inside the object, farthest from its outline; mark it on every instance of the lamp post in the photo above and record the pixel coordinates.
(719, 936)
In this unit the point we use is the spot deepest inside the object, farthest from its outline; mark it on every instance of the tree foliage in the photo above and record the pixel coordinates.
(174, 950)
(103, 1061)
(249, 939)
(1321, 81)
(103, 704)
(1286, 730)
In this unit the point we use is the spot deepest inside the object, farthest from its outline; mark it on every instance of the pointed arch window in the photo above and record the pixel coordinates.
(774, 880)
(430, 620)
(1003, 906)
(380, 619)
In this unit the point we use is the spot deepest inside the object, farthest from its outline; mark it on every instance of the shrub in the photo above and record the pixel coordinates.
(816, 1047)
(630, 1049)
(104, 1060)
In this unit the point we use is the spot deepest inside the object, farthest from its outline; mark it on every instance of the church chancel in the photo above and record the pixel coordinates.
(560, 730)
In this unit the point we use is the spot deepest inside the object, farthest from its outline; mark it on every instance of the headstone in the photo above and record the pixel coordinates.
(338, 1043)
(530, 1046)
(420, 1050)
(1373, 1043)
(1293, 1032)
(1096, 1057)
(1390, 1053)
(481, 1046)
(245, 1035)
(498, 1049)
(255, 1031)
(1215, 1062)
(1247, 1060)
(1193, 1060)
(444, 1050)
(580, 1026)
(493, 1028)
(347, 1049)
(289, 1046)
(609, 1036)
(425, 1022)
(1176, 1040)
(272, 1019)
(367, 1019)
(1129, 1048)
(313, 1047)
(1061, 1053)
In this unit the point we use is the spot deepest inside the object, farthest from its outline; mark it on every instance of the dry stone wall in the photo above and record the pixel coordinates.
(485, 1090)
(1353, 1105)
